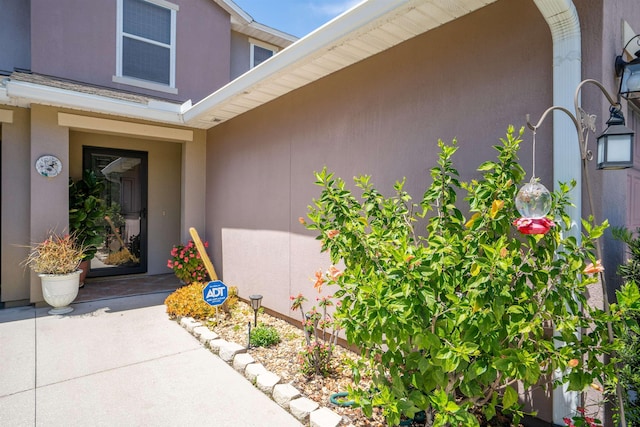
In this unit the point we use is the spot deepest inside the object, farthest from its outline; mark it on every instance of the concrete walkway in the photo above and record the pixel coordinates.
(119, 362)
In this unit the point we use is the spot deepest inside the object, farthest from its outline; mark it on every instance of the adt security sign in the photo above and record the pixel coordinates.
(215, 293)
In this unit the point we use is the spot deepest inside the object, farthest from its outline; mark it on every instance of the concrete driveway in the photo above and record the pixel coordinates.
(119, 362)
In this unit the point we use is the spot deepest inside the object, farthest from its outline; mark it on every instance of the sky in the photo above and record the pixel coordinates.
(295, 17)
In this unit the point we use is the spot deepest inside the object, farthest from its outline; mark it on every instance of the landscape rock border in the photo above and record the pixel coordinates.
(285, 395)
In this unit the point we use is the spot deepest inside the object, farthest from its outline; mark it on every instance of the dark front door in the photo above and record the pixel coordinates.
(124, 246)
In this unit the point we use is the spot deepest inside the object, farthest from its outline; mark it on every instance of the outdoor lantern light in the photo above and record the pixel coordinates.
(615, 145)
(630, 73)
(256, 301)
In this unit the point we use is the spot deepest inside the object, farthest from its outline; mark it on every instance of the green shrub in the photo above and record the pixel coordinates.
(264, 336)
(450, 318)
(188, 302)
(629, 355)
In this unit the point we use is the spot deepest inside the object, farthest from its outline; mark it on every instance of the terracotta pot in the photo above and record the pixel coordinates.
(84, 266)
(59, 290)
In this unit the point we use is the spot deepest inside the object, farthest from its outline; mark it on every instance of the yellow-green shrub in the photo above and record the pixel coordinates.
(188, 302)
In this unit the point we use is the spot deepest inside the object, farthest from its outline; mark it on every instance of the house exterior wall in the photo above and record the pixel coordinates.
(16, 178)
(382, 116)
(615, 192)
(49, 197)
(76, 40)
(15, 35)
(240, 54)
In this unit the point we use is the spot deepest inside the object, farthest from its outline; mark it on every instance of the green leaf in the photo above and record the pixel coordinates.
(510, 397)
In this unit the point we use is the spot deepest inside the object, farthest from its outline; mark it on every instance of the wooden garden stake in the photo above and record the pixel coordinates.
(203, 254)
(205, 259)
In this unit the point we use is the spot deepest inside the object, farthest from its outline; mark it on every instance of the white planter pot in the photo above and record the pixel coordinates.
(59, 290)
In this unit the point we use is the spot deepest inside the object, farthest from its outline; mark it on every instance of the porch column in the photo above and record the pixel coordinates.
(49, 210)
(194, 173)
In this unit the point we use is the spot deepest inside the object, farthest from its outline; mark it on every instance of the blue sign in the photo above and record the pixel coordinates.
(215, 293)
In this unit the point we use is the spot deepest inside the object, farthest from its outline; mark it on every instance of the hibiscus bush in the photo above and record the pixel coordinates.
(629, 365)
(451, 305)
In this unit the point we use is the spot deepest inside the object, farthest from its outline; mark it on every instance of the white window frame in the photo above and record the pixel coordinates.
(120, 34)
(253, 43)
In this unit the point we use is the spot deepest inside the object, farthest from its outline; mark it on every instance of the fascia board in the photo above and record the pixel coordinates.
(323, 37)
(234, 10)
(4, 98)
(46, 95)
(272, 31)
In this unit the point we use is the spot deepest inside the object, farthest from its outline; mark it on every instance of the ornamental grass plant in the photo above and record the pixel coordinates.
(57, 254)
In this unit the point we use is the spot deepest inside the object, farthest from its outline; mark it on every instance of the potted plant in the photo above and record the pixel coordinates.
(187, 264)
(86, 215)
(57, 260)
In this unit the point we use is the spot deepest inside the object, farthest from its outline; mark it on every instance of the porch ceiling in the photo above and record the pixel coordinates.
(369, 28)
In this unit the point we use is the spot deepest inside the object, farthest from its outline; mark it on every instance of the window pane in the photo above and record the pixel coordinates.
(145, 61)
(147, 20)
(260, 55)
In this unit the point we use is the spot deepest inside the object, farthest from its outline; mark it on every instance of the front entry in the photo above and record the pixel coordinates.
(124, 246)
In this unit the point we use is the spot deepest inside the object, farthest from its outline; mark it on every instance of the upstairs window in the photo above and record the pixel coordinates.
(146, 43)
(260, 52)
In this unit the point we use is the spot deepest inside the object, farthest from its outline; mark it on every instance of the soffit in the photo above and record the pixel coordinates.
(366, 30)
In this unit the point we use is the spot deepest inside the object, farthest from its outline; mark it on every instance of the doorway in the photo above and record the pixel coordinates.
(123, 249)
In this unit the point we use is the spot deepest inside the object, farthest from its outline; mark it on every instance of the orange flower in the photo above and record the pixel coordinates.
(333, 273)
(332, 233)
(573, 363)
(597, 387)
(319, 280)
(594, 269)
(504, 252)
(302, 221)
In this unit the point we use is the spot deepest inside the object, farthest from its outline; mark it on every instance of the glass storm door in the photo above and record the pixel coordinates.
(124, 245)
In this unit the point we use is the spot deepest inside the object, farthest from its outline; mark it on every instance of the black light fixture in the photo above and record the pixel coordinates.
(615, 145)
(256, 301)
(629, 73)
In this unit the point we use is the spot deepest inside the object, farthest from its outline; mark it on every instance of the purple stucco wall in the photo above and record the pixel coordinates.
(14, 35)
(76, 40)
(467, 80)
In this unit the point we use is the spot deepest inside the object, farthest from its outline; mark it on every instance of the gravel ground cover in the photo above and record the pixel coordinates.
(283, 359)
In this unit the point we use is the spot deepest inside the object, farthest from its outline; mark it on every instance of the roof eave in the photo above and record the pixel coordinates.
(349, 36)
(23, 94)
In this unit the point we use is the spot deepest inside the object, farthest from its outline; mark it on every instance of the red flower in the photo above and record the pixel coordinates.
(533, 225)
